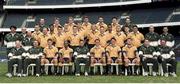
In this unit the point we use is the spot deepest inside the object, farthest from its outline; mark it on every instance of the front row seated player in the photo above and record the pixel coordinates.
(33, 57)
(98, 54)
(131, 55)
(167, 56)
(50, 57)
(65, 54)
(148, 54)
(113, 53)
(15, 57)
(81, 54)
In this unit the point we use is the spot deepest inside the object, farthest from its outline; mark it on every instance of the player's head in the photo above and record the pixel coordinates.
(86, 19)
(165, 29)
(163, 42)
(129, 41)
(75, 29)
(97, 42)
(18, 44)
(45, 31)
(81, 42)
(36, 27)
(71, 20)
(13, 29)
(118, 28)
(66, 43)
(56, 21)
(93, 27)
(146, 42)
(102, 30)
(126, 29)
(114, 20)
(101, 19)
(135, 28)
(109, 27)
(151, 28)
(51, 27)
(60, 29)
(42, 21)
(113, 41)
(23, 30)
(29, 33)
(128, 20)
(50, 42)
(35, 43)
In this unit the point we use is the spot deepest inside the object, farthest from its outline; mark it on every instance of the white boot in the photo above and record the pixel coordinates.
(166, 74)
(86, 74)
(24, 75)
(154, 74)
(77, 74)
(145, 74)
(173, 74)
(37, 75)
(18, 75)
(9, 75)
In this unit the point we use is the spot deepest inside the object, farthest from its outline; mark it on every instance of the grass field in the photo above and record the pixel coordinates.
(89, 79)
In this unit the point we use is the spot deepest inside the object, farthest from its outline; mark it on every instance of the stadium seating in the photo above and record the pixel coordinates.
(14, 19)
(175, 18)
(60, 2)
(140, 16)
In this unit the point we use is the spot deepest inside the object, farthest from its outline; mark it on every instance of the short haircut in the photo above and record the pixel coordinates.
(13, 27)
(113, 38)
(97, 40)
(114, 17)
(49, 40)
(135, 26)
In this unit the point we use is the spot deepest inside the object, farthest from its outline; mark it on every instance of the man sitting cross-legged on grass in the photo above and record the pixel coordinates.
(148, 55)
(66, 54)
(15, 57)
(50, 56)
(131, 55)
(113, 53)
(33, 57)
(98, 54)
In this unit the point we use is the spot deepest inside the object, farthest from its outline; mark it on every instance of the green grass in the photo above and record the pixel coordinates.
(89, 79)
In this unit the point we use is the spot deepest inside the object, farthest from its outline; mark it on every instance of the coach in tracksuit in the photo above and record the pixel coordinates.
(148, 55)
(15, 57)
(81, 56)
(10, 38)
(33, 57)
(167, 56)
(152, 36)
(166, 36)
(27, 41)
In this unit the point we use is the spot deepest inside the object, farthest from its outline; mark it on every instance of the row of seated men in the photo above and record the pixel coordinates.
(111, 54)
(87, 32)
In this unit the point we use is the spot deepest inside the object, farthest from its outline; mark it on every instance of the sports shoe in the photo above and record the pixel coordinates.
(24, 75)
(9, 75)
(145, 74)
(77, 74)
(37, 75)
(18, 75)
(86, 74)
(154, 74)
(166, 74)
(173, 74)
